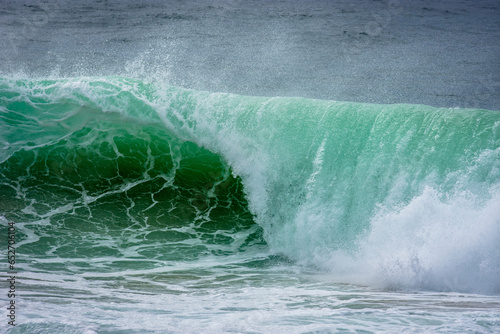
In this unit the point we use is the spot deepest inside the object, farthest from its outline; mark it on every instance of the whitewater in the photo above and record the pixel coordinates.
(159, 198)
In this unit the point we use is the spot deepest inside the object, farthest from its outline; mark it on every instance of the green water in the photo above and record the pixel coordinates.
(119, 187)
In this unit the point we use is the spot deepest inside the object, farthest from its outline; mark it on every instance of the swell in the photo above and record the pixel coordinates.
(379, 194)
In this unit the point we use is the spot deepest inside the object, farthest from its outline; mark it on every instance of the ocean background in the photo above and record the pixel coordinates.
(251, 166)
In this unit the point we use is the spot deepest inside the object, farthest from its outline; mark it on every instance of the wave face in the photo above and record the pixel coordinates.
(403, 196)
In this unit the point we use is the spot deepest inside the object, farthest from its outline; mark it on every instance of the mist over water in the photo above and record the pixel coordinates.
(443, 53)
(251, 166)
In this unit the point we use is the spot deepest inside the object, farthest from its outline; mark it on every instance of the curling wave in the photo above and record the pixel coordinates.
(393, 195)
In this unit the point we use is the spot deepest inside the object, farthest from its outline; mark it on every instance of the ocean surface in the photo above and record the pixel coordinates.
(250, 166)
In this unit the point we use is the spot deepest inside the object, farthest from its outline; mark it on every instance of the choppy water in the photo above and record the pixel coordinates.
(149, 197)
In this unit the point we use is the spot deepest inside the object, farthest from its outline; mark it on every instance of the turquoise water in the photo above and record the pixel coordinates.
(143, 207)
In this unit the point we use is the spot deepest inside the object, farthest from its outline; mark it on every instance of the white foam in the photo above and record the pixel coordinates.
(431, 243)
